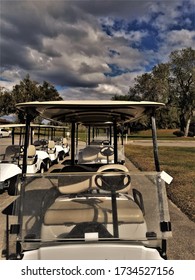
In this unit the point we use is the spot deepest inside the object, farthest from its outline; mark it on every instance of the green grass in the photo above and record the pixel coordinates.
(179, 162)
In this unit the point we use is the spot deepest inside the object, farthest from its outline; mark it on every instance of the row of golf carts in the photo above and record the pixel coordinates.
(92, 206)
(41, 154)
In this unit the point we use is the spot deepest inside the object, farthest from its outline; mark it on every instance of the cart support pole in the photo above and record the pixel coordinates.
(89, 135)
(26, 142)
(73, 143)
(13, 130)
(155, 145)
(115, 142)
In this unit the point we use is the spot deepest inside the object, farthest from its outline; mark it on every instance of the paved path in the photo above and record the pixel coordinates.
(163, 143)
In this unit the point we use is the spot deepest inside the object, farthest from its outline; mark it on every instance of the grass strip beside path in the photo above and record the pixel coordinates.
(179, 162)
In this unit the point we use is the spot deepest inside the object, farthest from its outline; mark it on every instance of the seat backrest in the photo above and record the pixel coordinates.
(89, 153)
(11, 152)
(64, 141)
(51, 144)
(51, 149)
(31, 151)
(74, 183)
(91, 210)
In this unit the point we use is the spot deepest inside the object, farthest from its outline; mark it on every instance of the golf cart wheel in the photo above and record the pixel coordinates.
(14, 186)
(57, 160)
(61, 156)
(42, 168)
(47, 165)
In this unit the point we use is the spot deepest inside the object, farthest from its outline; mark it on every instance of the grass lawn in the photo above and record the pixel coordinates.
(179, 162)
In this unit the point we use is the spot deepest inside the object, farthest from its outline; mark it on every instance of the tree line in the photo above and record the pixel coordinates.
(172, 83)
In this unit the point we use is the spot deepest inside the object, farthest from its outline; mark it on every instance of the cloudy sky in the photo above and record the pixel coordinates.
(90, 49)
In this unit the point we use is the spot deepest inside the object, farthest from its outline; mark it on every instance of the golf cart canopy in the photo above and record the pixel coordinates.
(90, 111)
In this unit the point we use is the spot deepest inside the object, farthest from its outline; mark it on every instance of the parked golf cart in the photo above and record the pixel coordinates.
(92, 209)
(55, 146)
(11, 160)
(10, 170)
(62, 147)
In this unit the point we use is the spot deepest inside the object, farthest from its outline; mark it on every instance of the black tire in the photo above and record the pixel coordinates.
(42, 168)
(14, 186)
(62, 156)
(57, 160)
(47, 164)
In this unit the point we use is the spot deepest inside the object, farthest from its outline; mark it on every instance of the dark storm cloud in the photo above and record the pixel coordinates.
(66, 78)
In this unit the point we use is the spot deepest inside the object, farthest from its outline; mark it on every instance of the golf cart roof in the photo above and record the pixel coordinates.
(11, 125)
(90, 111)
(33, 125)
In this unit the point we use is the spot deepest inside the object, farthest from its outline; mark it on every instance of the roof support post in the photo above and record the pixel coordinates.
(72, 143)
(13, 132)
(31, 135)
(155, 145)
(110, 134)
(26, 143)
(89, 134)
(115, 142)
(77, 143)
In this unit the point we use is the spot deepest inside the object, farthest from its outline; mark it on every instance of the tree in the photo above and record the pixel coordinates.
(48, 92)
(29, 90)
(156, 86)
(6, 102)
(172, 83)
(182, 63)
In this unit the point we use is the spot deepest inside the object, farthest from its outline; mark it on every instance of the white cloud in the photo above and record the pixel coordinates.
(181, 38)
(132, 36)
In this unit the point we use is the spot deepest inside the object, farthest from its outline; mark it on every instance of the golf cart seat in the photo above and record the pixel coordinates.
(51, 147)
(31, 155)
(64, 142)
(74, 184)
(81, 210)
(93, 154)
(88, 154)
(11, 153)
(72, 218)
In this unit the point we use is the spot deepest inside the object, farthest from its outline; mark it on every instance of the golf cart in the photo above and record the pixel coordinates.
(11, 159)
(57, 147)
(96, 209)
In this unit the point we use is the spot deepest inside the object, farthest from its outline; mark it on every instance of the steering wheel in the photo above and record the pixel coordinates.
(115, 181)
(107, 151)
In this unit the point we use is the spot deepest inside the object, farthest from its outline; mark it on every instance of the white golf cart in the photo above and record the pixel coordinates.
(57, 147)
(96, 208)
(11, 160)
